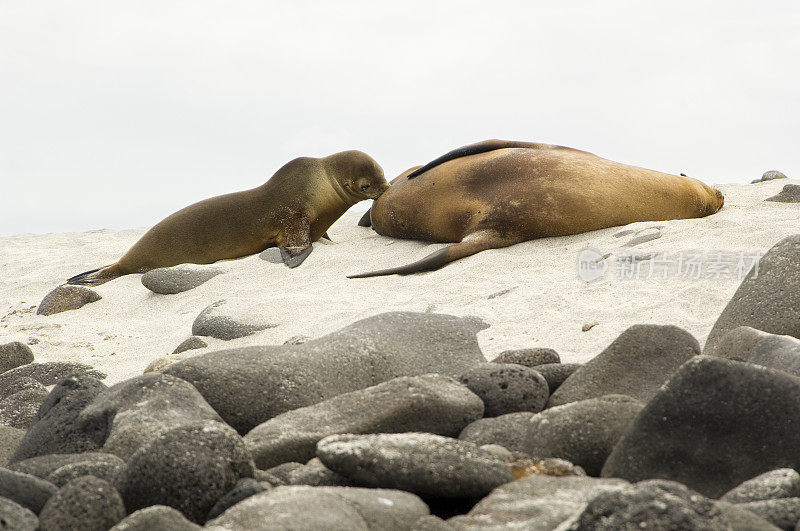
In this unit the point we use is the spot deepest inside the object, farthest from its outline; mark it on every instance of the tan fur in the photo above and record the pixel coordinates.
(292, 209)
(510, 195)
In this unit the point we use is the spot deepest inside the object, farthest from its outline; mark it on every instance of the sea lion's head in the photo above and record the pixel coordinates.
(358, 175)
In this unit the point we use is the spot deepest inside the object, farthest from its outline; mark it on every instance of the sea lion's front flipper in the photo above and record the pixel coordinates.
(327, 237)
(294, 256)
(471, 244)
(366, 220)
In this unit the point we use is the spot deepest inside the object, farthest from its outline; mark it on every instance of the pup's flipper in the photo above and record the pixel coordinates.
(95, 277)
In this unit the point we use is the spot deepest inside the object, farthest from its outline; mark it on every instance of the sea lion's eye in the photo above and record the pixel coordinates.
(364, 187)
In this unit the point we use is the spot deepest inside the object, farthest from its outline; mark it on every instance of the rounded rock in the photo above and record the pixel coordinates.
(87, 503)
(13, 355)
(768, 299)
(107, 470)
(66, 297)
(19, 410)
(422, 463)
(789, 194)
(529, 357)
(56, 429)
(191, 343)
(509, 431)
(172, 280)
(213, 322)
(15, 517)
(156, 518)
(507, 388)
(556, 373)
(582, 432)
(189, 468)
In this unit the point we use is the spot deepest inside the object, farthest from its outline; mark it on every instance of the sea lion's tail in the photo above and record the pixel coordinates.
(95, 277)
(472, 244)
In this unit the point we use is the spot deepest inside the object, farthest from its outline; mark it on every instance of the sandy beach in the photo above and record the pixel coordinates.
(530, 294)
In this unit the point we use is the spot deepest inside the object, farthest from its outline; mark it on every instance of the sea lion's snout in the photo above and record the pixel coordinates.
(374, 188)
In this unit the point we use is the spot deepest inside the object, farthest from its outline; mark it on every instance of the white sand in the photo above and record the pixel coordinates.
(546, 303)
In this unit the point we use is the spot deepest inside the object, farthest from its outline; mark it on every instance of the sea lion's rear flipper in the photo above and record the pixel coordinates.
(483, 147)
(366, 220)
(95, 277)
(294, 256)
(472, 244)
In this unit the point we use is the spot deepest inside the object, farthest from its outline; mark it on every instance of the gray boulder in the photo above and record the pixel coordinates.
(244, 488)
(171, 280)
(770, 175)
(506, 388)
(56, 427)
(772, 485)
(556, 373)
(313, 508)
(250, 385)
(789, 194)
(656, 504)
(9, 441)
(215, 322)
(777, 352)
(529, 357)
(50, 373)
(24, 489)
(278, 475)
(315, 474)
(737, 344)
(768, 298)
(190, 343)
(19, 410)
(582, 432)
(66, 297)
(44, 466)
(86, 503)
(508, 431)
(156, 518)
(20, 383)
(13, 355)
(136, 411)
(535, 503)
(15, 517)
(783, 513)
(422, 463)
(715, 424)
(108, 469)
(428, 403)
(432, 523)
(636, 364)
(189, 468)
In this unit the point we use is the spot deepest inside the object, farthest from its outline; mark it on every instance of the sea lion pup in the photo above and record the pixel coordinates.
(292, 209)
(497, 193)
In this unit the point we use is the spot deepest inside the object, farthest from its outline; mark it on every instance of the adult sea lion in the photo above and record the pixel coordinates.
(292, 209)
(497, 193)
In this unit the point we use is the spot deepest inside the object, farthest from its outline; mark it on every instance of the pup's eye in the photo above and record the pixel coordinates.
(364, 187)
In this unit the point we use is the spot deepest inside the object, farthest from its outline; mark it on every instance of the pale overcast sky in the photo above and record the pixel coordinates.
(115, 114)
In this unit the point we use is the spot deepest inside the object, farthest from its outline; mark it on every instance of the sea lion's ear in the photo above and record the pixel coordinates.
(294, 256)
